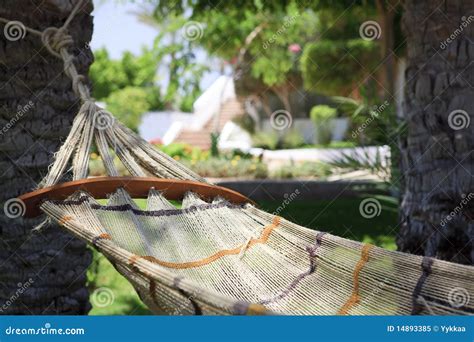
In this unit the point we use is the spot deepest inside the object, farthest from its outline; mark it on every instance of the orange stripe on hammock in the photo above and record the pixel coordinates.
(355, 297)
(235, 251)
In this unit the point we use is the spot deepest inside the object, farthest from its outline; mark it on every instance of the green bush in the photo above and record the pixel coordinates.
(245, 122)
(214, 144)
(240, 154)
(128, 105)
(222, 167)
(322, 117)
(303, 170)
(265, 140)
(322, 113)
(183, 151)
(293, 139)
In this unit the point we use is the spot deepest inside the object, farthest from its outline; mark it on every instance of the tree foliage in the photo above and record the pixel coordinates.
(128, 104)
(263, 44)
(334, 58)
(176, 52)
(340, 60)
(337, 67)
(109, 75)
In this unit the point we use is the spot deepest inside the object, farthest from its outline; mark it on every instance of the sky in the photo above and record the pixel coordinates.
(117, 28)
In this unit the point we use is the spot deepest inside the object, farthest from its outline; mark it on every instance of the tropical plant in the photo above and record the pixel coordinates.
(373, 122)
(322, 117)
(363, 158)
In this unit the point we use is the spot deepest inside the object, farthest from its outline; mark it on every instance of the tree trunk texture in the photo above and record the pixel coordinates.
(41, 272)
(437, 147)
(386, 12)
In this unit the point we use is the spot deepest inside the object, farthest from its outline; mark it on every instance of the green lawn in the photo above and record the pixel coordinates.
(341, 217)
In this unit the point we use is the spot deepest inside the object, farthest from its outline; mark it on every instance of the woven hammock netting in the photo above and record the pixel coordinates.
(219, 258)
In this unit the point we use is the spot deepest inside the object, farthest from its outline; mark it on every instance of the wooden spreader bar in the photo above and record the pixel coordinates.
(137, 187)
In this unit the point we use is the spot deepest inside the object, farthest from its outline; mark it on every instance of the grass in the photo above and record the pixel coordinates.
(111, 293)
(332, 144)
(341, 217)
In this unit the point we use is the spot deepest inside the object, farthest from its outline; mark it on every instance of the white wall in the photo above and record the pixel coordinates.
(156, 124)
(306, 128)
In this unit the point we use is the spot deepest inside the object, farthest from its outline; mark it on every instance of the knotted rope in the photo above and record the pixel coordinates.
(57, 41)
(94, 123)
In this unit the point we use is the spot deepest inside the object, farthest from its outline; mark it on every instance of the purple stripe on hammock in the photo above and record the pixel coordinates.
(426, 264)
(312, 268)
(161, 212)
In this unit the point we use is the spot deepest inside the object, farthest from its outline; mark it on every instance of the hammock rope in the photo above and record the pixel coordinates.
(220, 258)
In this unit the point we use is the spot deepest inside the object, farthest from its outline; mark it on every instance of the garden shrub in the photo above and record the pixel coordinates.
(265, 140)
(222, 167)
(183, 151)
(302, 170)
(293, 139)
(245, 122)
(322, 116)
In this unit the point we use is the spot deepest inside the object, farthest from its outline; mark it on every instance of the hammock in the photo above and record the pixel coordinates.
(219, 253)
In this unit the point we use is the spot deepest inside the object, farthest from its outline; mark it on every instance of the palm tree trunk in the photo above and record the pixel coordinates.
(437, 151)
(41, 272)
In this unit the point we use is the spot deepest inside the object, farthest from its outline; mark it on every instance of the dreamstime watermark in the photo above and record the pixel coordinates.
(14, 30)
(22, 287)
(458, 297)
(281, 119)
(21, 111)
(193, 30)
(14, 208)
(464, 23)
(370, 208)
(458, 119)
(457, 209)
(286, 202)
(103, 119)
(102, 297)
(374, 114)
(370, 30)
(286, 24)
(46, 330)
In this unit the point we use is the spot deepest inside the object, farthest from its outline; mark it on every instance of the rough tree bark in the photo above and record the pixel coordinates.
(386, 11)
(37, 109)
(437, 151)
